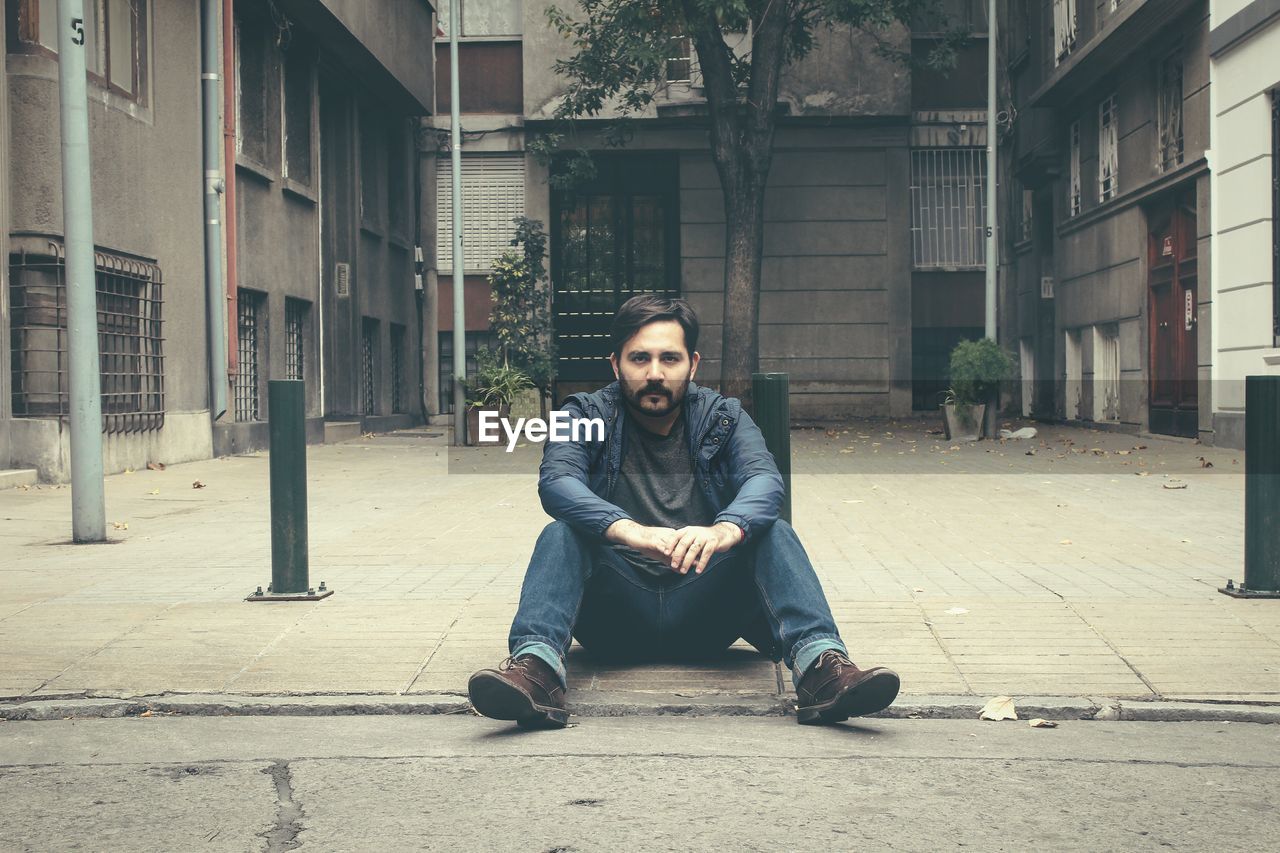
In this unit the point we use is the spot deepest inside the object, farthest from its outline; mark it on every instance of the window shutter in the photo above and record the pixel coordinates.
(492, 196)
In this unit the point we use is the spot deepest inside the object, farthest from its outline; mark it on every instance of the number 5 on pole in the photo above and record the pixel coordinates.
(77, 27)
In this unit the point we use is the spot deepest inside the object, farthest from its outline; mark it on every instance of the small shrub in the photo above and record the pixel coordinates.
(977, 369)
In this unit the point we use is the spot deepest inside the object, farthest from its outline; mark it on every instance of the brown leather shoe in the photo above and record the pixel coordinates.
(523, 689)
(834, 689)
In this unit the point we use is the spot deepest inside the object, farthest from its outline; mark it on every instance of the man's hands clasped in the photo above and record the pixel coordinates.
(683, 549)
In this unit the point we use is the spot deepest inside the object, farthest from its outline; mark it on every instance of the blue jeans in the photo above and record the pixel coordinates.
(765, 591)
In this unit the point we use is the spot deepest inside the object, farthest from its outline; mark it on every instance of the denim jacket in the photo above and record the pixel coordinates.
(737, 473)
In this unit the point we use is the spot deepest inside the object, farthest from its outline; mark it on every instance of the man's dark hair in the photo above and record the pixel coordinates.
(640, 311)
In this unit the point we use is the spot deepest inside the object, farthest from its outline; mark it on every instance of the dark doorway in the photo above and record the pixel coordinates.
(1174, 401)
(611, 238)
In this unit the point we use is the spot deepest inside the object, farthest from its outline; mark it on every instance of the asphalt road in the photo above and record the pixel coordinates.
(650, 783)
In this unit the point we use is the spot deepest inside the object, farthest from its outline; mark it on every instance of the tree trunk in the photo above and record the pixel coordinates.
(744, 247)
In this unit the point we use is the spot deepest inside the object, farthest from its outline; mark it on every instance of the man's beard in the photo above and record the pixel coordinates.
(674, 396)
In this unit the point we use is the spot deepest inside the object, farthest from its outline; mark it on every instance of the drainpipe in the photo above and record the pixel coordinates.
(229, 157)
(210, 78)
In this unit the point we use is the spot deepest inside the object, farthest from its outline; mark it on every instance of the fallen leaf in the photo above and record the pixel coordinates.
(154, 492)
(1175, 484)
(999, 708)
(155, 466)
(1141, 473)
(120, 525)
(1039, 723)
(1065, 542)
(146, 713)
(1205, 463)
(197, 485)
(918, 589)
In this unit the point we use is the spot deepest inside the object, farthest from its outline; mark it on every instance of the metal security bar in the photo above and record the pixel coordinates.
(948, 207)
(397, 367)
(295, 349)
(368, 371)
(248, 390)
(130, 339)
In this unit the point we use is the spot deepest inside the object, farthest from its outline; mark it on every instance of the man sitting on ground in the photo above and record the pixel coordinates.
(666, 542)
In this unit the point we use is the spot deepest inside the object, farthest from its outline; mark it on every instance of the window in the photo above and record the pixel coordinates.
(114, 39)
(253, 71)
(369, 366)
(1027, 370)
(680, 60)
(397, 368)
(492, 196)
(1027, 230)
(472, 342)
(130, 339)
(296, 315)
(1170, 113)
(1074, 201)
(1106, 373)
(1108, 150)
(485, 18)
(1064, 29)
(398, 179)
(948, 208)
(372, 170)
(251, 341)
(1074, 375)
(299, 61)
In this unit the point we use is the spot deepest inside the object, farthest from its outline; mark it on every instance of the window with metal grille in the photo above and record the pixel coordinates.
(1170, 114)
(296, 315)
(1027, 370)
(130, 339)
(1075, 202)
(492, 196)
(397, 368)
(473, 341)
(251, 338)
(1106, 373)
(948, 208)
(1074, 374)
(369, 366)
(1108, 150)
(1064, 29)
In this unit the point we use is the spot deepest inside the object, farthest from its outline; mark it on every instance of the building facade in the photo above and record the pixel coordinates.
(320, 177)
(1107, 286)
(1245, 128)
(873, 211)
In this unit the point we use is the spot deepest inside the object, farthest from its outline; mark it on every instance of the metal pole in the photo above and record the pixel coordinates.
(1261, 490)
(287, 421)
(459, 283)
(771, 395)
(88, 510)
(993, 253)
(215, 296)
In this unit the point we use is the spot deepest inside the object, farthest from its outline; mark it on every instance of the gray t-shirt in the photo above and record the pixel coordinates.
(657, 486)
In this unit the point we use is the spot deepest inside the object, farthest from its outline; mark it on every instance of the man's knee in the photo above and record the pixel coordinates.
(561, 536)
(780, 531)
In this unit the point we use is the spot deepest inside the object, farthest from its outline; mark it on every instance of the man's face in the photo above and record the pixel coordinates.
(655, 369)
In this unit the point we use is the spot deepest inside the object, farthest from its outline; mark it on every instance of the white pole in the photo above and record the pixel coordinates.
(88, 511)
(459, 283)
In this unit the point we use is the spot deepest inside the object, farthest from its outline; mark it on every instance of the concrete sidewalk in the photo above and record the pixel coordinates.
(1078, 564)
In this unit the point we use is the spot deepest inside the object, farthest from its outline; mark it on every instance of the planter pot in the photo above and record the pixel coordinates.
(962, 421)
(473, 425)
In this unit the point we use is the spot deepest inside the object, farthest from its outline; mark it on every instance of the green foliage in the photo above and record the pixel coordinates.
(977, 369)
(496, 382)
(521, 315)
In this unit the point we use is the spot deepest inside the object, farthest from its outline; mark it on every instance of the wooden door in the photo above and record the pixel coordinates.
(1172, 320)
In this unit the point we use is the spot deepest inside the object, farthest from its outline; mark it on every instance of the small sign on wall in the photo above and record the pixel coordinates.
(1190, 308)
(1046, 287)
(1166, 248)
(342, 279)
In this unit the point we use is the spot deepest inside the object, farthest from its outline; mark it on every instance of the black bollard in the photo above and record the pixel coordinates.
(286, 414)
(1261, 490)
(771, 393)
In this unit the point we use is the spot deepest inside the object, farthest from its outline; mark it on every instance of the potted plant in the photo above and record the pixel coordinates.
(977, 370)
(492, 389)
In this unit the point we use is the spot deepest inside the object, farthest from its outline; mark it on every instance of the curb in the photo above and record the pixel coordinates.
(605, 704)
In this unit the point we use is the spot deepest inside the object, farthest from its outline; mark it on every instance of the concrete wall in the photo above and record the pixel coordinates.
(1244, 345)
(147, 197)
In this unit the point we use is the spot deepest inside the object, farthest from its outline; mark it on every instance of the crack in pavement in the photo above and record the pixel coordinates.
(284, 835)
